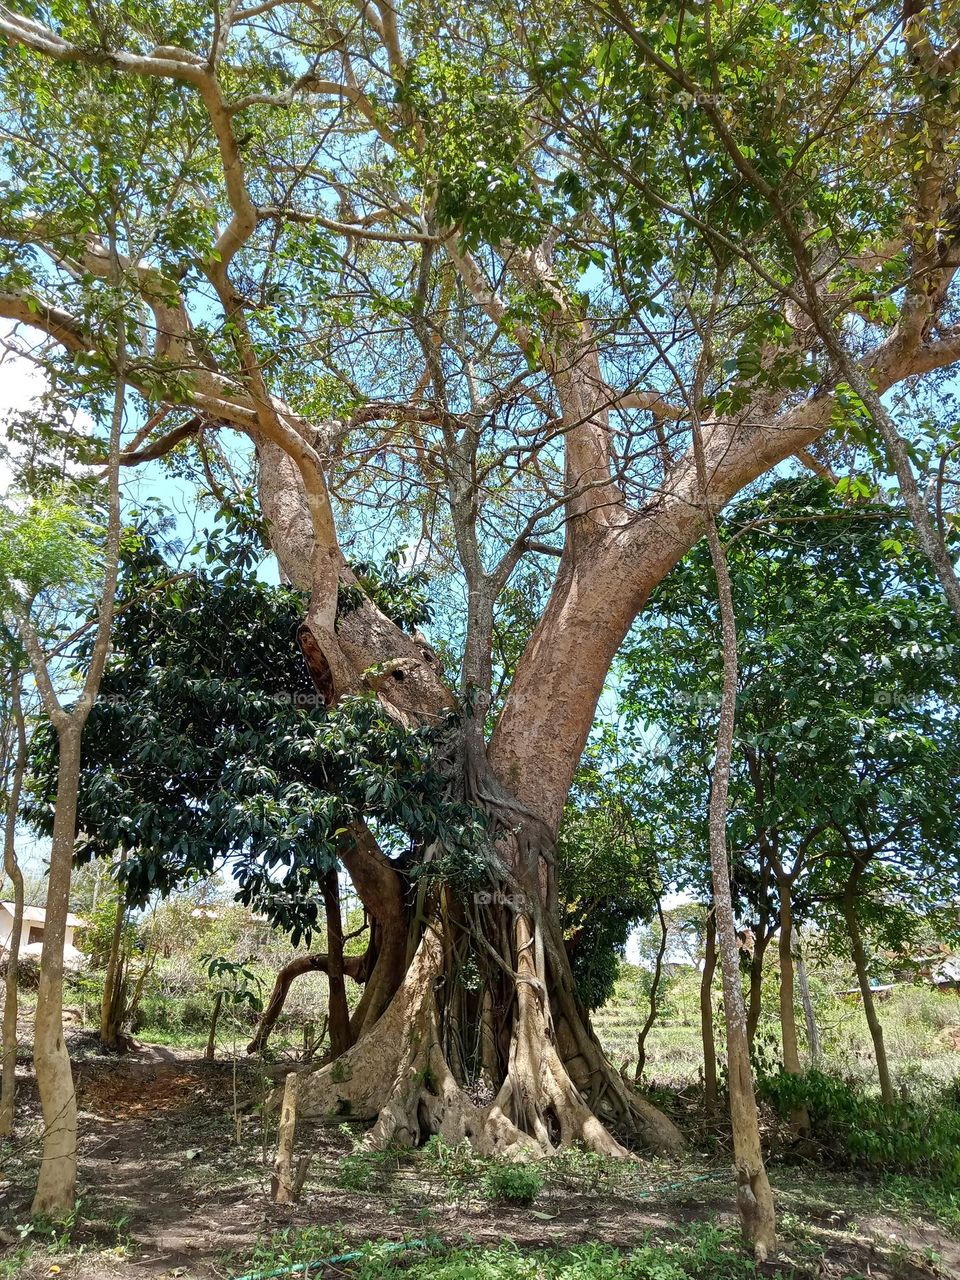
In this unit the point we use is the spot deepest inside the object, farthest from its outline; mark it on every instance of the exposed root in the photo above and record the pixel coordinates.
(398, 1076)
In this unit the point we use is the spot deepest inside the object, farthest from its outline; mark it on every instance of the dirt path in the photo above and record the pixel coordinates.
(167, 1190)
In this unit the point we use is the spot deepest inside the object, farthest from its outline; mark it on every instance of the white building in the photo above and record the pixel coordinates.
(31, 939)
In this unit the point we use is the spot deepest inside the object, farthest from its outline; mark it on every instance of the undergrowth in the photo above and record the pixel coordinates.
(917, 1135)
(703, 1252)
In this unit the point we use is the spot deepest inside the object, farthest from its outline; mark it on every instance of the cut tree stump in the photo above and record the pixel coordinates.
(289, 1174)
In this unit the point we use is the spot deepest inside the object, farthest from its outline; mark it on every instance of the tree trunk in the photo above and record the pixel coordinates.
(754, 1197)
(416, 1065)
(210, 1051)
(111, 1008)
(866, 991)
(284, 1175)
(339, 1014)
(56, 1185)
(799, 1117)
(354, 967)
(755, 1004)
(8, 1081)
(708, 1039)
(803, 982)
(654, 992)
(415, 1072)
(149, 960)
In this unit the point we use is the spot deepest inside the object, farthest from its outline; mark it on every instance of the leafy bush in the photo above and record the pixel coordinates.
(512, 1183)
(915, 1136)
(28, 973)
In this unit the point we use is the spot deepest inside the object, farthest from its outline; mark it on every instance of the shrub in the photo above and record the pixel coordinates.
(512, 1183)
(355, 1171)
(918, 1136)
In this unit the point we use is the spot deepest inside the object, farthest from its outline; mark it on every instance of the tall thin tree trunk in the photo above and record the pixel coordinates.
(56, 1185)
(810, 1017)
(340, 1038)
(706, 1017)
(799, 1117)
(110, 1014)
(754, 1197)
(654, 993)
(8, 1081)
(755, 1002)
(866, 991)
(210, 1051)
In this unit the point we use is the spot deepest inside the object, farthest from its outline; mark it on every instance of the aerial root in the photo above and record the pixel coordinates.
(398, 1076)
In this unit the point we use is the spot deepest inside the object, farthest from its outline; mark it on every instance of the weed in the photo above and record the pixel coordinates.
(512, 1183)
(292, 1247)
(457, 1163)
(361, 1169)
(702, 1253)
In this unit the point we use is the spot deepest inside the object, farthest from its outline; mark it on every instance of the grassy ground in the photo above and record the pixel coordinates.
(175, 1168)
(175, 1180)
(921, 1031)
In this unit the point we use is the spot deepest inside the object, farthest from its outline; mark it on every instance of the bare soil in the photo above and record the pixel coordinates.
(175, 1176)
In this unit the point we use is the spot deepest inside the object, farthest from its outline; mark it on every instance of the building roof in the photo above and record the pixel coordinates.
(38, 915)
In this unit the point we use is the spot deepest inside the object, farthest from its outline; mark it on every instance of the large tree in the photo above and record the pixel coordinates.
(361, 236)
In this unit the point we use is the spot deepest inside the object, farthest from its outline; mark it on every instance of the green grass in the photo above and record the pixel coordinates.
(88, 1232)
(911, 1197)
(916, 1022)
(701, 1252)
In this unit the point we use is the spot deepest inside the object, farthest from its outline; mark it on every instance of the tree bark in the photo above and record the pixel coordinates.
(340, 1038)
(209, 1052)
(8, 1081)
(284, 1176)
(111, 1008)
(754, 1197)
(755, 1000)
(56, 1185)
(353, 966)
(866, 991)
(707, 1036)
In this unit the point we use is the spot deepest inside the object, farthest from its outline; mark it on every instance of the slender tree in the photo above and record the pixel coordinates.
(14, 757)
(40, 534)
